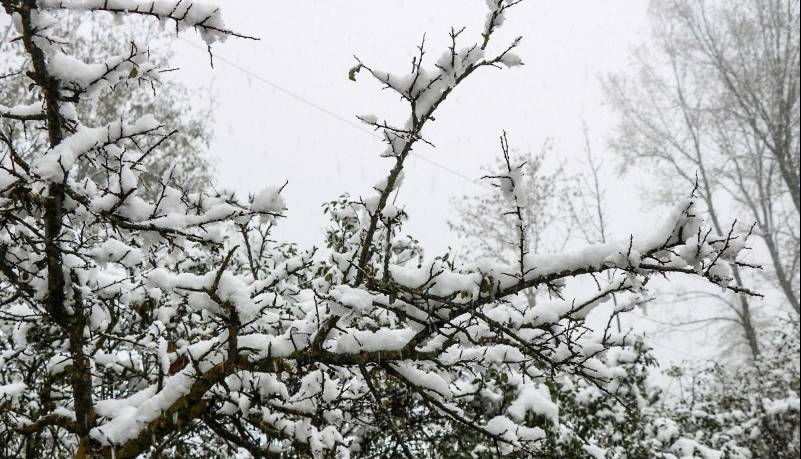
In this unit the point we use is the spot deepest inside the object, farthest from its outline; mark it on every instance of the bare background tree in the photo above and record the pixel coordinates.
(714, 99)
(488, 231)
(562, 206)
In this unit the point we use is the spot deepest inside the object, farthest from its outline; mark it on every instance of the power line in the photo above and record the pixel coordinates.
(325, 111)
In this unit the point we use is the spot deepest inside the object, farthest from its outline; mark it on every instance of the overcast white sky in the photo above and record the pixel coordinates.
(265, 135)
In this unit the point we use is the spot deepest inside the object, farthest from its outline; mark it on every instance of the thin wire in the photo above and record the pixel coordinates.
(325, 111)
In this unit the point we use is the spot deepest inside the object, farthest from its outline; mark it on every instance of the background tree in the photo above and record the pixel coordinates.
(715, 100)
(585, 201)
(487, 231)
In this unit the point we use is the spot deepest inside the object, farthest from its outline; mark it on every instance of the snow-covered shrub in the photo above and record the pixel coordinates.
(750, 409)
(171, 324)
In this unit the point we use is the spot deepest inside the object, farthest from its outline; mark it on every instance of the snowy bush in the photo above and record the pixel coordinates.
(170, 324)
(750, 409)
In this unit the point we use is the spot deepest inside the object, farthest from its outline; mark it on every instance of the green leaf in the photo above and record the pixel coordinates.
(353, 71)
(486, 287)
